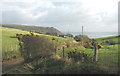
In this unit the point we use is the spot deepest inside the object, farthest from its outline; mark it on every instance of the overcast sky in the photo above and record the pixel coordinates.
(67, 16)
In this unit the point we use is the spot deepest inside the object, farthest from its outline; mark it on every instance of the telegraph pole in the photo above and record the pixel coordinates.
(68, 28)
(82, 30)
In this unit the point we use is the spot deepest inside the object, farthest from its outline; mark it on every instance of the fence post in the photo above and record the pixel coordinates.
(63, 51)
(55, 50)
(95, 52)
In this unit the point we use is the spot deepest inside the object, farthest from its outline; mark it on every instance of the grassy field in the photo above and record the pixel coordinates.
(9, 42)
(108, 54)
(10, 45)
(107, 58)
(111, 38)
(107, 64)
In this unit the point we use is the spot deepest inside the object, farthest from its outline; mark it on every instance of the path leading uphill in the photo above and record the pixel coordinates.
(8, 64)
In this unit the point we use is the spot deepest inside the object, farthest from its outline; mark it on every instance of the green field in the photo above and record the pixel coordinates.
(108, 54)
(10, 45)
(9, 42)
(107, 58)
(111, 38)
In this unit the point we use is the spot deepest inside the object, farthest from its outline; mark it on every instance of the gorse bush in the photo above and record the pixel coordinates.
(77, 56)
(36, 46)
(67, 50)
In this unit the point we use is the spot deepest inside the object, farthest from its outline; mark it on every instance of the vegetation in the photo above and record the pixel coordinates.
(34, 46)
(84, 38)
(69, 35)
(78, 56)
(77, 59)
(10, 43)
(107, 40)
(37, 29)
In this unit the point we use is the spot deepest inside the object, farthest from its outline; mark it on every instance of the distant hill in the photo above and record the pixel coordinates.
(37, 29)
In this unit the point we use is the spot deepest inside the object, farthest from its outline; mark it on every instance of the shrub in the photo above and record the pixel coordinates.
(88, 46)
(48, 66)
(69, 35)
(110, 42)
(77, 56)
(35, 46)
(99, 46)
(77, 49)
(79, 38)
(31, 33)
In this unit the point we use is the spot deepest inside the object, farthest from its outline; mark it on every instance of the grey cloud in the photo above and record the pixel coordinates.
(60, 15)
(14, 16)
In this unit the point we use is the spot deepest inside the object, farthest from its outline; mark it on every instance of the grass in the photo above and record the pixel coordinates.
(10, 45)
(108, 54)
(108, 50)
(112, 38)
(9, 42)
(67, 50)
(107, 59)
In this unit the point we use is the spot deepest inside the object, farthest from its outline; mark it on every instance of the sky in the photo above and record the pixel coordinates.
(65, 15)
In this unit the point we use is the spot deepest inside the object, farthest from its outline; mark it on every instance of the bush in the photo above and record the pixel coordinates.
(88, 46)
(48, 66)
(67, 50)
(77, 56)
(36, 46)
(69, 35)
(99, 46)
(110, 42)
(79, 38)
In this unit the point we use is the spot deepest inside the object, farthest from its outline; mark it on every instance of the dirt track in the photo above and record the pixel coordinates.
(8, 64)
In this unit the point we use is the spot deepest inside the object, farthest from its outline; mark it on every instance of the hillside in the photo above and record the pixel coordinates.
(114, 39)
(107, 64)
(108, 57)
(37, 29)
(10, 42)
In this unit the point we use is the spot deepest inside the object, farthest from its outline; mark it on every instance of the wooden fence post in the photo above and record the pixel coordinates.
(63, 51)
(55, 50)
(95, 52)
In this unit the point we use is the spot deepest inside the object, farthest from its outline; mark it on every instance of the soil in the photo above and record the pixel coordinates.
(8, 64)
